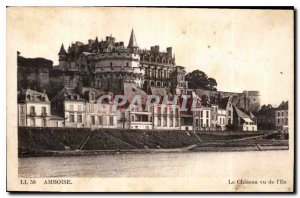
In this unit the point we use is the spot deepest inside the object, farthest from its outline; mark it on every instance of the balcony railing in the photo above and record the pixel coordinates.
(32, 114)
(44, 114)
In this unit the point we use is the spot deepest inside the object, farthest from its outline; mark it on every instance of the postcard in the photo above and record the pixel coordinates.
(150, 99)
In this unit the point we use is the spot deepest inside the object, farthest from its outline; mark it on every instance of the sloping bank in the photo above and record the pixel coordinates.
(80, 141)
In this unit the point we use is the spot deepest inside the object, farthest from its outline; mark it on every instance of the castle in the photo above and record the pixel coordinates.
(106, 65)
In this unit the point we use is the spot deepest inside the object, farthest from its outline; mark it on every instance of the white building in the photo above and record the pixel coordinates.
(33, 109)
(221, 124)
(281, 117)
(242, 121)
(71, 106)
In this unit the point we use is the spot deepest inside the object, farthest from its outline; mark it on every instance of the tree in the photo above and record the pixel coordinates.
(199, 80)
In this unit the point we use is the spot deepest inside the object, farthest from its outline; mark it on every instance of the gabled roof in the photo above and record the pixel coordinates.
(132, 40)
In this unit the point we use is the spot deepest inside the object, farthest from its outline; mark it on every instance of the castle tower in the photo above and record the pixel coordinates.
(132, 45)
(62, 57)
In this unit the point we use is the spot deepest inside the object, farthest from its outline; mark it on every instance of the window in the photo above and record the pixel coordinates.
(22, 122)
(229, 113)
(177, 122)
(32, 122)
(282, 114)
(32, 110)
(158, 121)
(207, 114)
(132, 118)
(92, 120)
(158, 110)
(43, 109)
(278, 113)
(71, 118)
(171, 122)
(207, 123)
(197, 121)
(246, 128)
(201, 114)
(127, 64)
(79, 108)
(165, 121)
(229, 121)
(100, 120)
(278, 121)
(44, 122)
(111, 120)
(150, 119)
(111, 67)
(22, 109)
(71, 107)
(79, 118)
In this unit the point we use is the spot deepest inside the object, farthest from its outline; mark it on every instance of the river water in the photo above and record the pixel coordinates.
(196, 164)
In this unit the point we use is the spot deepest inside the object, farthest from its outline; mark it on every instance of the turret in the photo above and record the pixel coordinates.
(62, 57)
(132, 45)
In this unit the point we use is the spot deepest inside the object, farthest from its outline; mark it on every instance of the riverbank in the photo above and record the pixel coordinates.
(76, 142)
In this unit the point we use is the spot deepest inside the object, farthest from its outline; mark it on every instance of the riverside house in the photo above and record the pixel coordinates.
(33, 109)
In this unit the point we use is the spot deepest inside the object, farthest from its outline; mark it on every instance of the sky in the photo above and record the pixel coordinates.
(241, 49)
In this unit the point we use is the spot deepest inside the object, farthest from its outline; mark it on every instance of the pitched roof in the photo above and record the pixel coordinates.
(132, 40)
(283, 106)
(32, 95)
(67, 94)
(240, 113)
(131, 89)
(223, 102)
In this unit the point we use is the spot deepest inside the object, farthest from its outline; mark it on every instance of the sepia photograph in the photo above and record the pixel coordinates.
(150, 99)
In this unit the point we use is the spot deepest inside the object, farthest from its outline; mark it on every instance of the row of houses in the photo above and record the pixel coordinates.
(80, 108)
(276, 118)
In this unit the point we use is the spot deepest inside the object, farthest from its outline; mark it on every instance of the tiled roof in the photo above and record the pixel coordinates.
(32, 95)
(283, 106)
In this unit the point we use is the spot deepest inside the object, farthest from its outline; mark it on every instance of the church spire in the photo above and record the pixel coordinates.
(132, 41)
